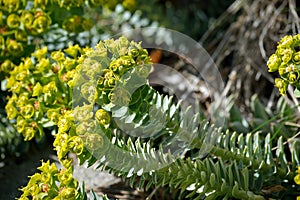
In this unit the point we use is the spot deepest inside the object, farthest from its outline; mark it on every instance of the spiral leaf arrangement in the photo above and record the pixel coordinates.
(106, 111)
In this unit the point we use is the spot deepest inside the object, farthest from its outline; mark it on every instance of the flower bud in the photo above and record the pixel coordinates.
(68, 193)
(22, 100)
(21, 124)
(27, 19)
(14, 48)
(34, 190)
(27, 111)
(296, 40)
(40, 4)
(76, 145)
(43, 65)
(57, 56)
(29, 133)
(73, 50)
(50, 89)
(296, 58)
(89, 92)
(102, 117)
(287, 55)
(11, 5)
(119, 96)
(67, 162)
(293, 77)
(28, 63)
(282, 85)
(273, 63)
(7, 66)
(53, 115)
(63, 124)
(286, 41)
(45, 177)
(65, 176)
(37, 90)
(40, 53)
(21, 36)
(11, 111)
(22, 75)
(13, 21)
(41, 23)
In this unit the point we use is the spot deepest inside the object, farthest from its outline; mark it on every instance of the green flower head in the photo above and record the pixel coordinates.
(282, 85)
(273, 63)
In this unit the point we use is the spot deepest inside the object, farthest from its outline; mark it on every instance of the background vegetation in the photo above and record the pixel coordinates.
(258, 147)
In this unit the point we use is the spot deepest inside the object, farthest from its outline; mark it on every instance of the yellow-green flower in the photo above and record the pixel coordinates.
(293, 77)
(27, 111)
(68, 193)
(287, 55)
(57, 56)
(40, 4)
(273, 63)
(27, 19)
(41, 22)
(29, 133)
(14, 48)
(37, 90)
(73, 50)
(7, 66)
(75, 143)
(53, 115)
(11, 111)
(286, 41)
(21, 124)
(43, 65)
(282, 85)
(63, 124)
(11, 5)
(21, 35)
(40, 53)
(102, 117)
(47, 167)
(65, 176)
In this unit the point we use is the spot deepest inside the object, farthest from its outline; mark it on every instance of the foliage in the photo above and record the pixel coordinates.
(280, 121)
(28, 25)
(100, 105)
(216, 165)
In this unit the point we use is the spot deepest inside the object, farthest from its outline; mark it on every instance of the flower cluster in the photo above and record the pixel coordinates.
(17, 22)
(46, 85)
(286, 60)
(22, 21)
(51, 183)
(39, 89)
